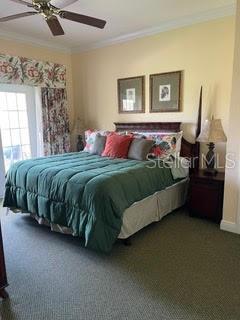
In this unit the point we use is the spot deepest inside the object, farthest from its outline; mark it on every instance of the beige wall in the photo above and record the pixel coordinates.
(231, 217)
(44, 54)
(204, 51)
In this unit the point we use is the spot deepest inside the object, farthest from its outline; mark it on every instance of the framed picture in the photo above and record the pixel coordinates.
(165, 92)
(131, 95)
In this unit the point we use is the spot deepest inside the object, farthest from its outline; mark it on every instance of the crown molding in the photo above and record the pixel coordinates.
(33, 41)
(205, 16)
(163, 27)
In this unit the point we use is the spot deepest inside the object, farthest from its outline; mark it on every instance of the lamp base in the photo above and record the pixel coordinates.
(210, 161)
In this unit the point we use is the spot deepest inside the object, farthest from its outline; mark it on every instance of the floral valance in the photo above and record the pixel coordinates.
(18, 70)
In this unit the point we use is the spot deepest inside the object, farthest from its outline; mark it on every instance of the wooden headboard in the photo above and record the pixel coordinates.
(188, 150)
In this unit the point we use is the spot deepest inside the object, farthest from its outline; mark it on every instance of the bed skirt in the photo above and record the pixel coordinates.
(153, 208)
(140, 214)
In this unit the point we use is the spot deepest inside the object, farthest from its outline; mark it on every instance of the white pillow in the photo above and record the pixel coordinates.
(179, 167)
(90, 137)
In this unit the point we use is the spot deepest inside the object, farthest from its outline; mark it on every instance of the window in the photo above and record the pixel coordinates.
(14, 127)
(18, 124)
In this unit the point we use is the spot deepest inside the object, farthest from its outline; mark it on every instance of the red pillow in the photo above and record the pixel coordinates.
(117, 146)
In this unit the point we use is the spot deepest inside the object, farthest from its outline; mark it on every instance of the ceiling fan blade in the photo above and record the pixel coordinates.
(62, 3)
(17, 16)
(55, 26)
(94, 22)
(29, 4)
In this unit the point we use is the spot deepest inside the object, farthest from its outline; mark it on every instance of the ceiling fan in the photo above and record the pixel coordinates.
(49, 9)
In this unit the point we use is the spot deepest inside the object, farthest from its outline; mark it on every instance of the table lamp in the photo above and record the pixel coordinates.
(211, 133)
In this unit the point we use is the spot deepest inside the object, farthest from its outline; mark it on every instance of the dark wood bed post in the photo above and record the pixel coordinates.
(199, 123)
(198, 130)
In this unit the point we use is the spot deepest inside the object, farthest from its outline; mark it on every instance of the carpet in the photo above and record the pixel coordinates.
(178, 269)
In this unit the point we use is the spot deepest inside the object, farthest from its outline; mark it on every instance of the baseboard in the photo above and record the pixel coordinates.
(229, 226)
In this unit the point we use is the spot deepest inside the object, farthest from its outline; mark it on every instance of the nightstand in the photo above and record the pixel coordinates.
(206, 196)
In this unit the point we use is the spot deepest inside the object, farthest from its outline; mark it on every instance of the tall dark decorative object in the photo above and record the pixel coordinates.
(80, 144)
(210, 157)
(78, 132)
(198, 130)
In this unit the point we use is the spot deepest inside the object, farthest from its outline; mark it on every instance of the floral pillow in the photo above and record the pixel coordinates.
(90, 137)
(165, 144)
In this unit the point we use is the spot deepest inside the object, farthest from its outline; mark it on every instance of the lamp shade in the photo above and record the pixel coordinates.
(212, 132)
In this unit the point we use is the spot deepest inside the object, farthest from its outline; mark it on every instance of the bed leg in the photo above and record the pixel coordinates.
(127, 242)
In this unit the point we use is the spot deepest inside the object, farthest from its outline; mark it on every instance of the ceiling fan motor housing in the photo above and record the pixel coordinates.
(45, 8)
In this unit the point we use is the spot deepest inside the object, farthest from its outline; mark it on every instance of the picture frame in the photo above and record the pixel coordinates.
(131, 95)
(165, 91)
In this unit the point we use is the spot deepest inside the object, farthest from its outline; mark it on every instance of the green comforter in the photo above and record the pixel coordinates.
(84, 192)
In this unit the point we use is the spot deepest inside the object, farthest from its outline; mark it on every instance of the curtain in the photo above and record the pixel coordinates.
(55, 121)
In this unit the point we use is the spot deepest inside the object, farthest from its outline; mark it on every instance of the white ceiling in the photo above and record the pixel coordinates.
(126, 19)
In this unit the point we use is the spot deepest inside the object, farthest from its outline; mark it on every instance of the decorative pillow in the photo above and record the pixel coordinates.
(117, 146)
(89, 140)
(99, 144)
(90, 136)
(168, 144)
(139, 149)
(165, 144)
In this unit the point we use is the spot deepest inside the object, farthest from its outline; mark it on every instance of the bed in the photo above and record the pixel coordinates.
(97, 198)
(155, 207)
